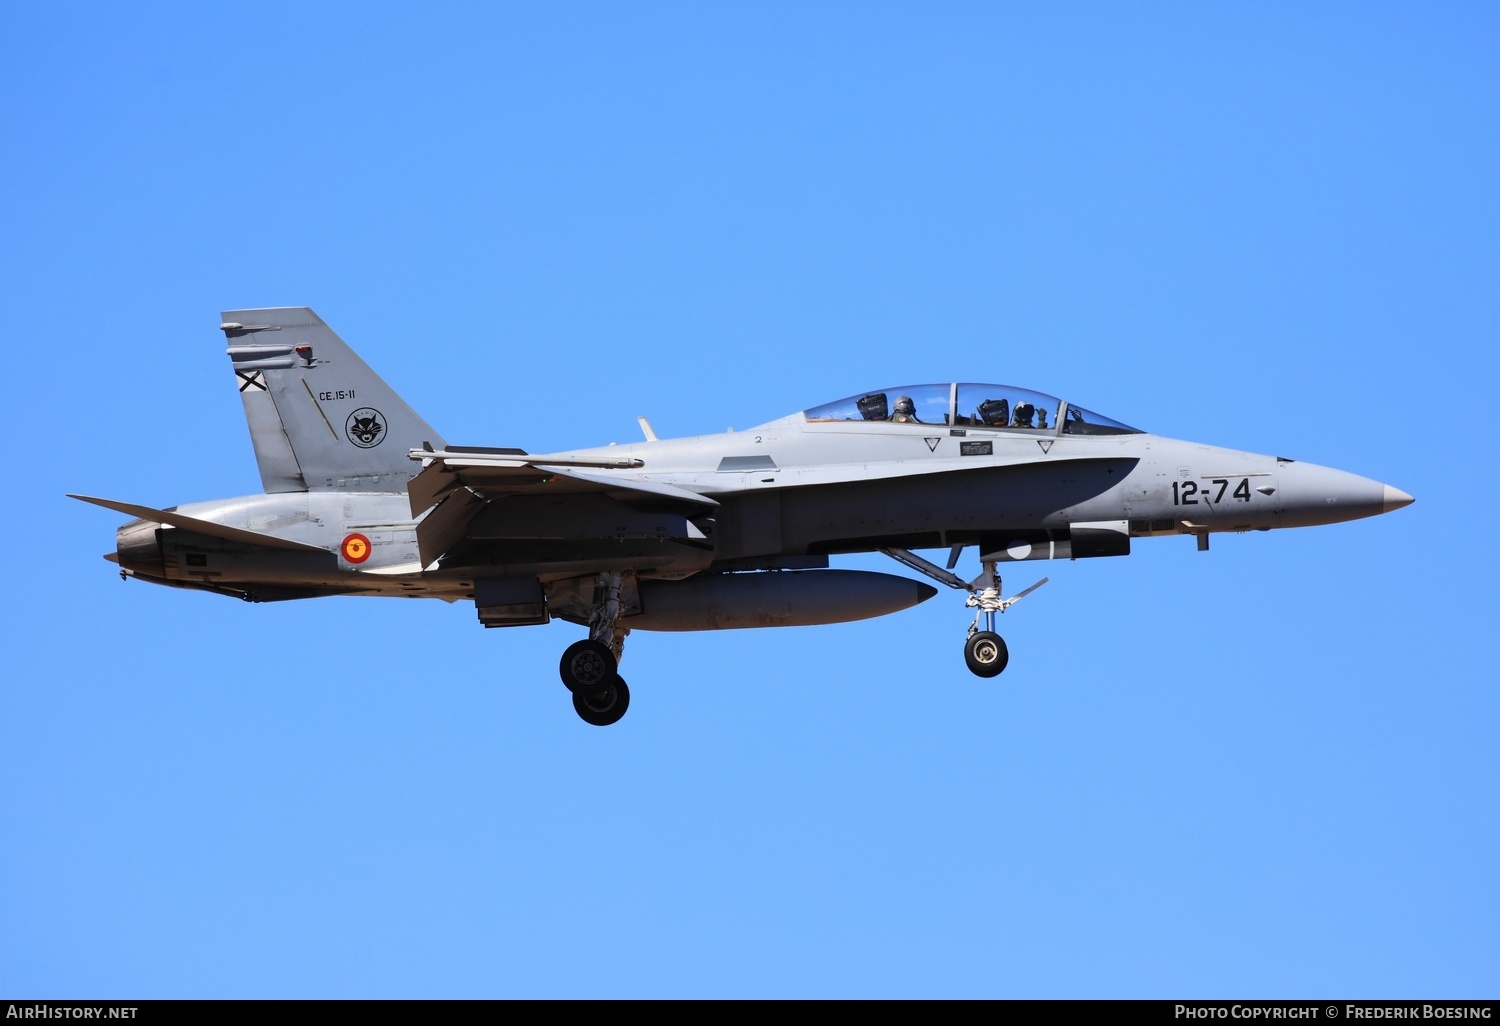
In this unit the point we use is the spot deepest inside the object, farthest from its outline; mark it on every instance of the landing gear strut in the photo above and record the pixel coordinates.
(590, 668)
(984, 651)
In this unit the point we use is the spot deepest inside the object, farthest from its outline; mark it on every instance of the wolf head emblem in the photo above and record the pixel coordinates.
(365, 427)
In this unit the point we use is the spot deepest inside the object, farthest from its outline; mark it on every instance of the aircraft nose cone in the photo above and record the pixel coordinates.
(1312, 495)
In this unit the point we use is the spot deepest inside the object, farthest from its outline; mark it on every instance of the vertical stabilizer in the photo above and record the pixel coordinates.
(319, 417)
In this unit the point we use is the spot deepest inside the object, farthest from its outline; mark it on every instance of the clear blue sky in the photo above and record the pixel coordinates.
(1266, 771)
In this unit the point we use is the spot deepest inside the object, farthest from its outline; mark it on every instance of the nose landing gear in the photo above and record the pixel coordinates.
(985, 652)
(590, 668)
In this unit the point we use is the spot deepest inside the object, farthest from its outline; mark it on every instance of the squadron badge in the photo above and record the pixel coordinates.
(365, 427)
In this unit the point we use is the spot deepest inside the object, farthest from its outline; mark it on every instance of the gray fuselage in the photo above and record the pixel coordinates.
(788, 492)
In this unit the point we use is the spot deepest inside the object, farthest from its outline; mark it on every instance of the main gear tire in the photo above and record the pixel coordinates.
(986, 654)
(602, 706)
(586, 665)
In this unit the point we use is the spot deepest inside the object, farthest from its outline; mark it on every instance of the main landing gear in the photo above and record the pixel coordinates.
(589, 668)
(984, 651)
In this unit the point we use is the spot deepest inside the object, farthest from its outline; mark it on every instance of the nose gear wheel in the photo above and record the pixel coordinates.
(986, 654)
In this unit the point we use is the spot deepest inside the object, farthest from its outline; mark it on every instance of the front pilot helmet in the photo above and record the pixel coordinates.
(905, 405)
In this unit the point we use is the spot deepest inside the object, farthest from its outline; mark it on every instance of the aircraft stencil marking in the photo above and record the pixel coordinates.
(690, 534)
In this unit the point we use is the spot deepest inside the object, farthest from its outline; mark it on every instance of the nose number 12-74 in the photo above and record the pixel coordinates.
(1185, 493)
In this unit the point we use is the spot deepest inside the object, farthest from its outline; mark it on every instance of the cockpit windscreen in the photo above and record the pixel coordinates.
(1082, 422)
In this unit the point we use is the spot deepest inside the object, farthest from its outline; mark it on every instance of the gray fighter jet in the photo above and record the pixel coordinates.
(363, 497)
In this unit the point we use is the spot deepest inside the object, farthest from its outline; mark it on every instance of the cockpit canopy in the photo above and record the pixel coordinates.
(971, 405)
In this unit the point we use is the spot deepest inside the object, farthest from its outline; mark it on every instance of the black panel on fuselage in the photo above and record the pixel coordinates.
(945, 509)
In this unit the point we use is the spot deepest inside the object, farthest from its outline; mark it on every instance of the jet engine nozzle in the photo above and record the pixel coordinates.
(138, 546)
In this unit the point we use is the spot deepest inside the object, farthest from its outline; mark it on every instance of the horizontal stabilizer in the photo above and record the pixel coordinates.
(204, 527)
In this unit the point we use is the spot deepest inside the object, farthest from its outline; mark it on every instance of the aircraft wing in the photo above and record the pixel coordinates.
(204, 527)
(496, 472)
(456, 483)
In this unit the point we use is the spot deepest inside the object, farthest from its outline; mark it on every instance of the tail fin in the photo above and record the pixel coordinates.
(320, 418)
